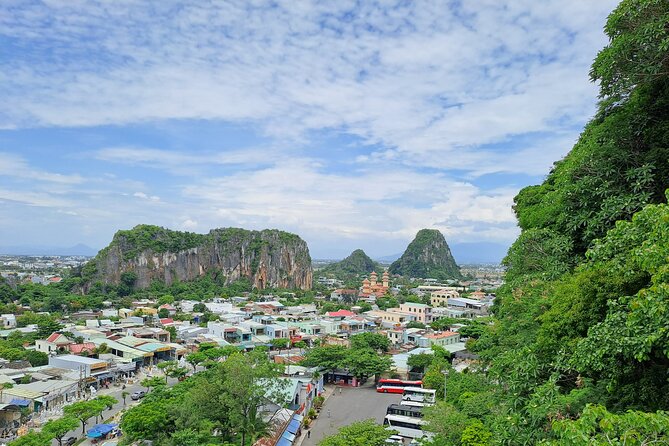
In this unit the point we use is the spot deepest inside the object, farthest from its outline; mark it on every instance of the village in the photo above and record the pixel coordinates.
(114, 349)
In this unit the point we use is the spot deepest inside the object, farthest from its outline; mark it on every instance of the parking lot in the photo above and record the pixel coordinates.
(353, 404)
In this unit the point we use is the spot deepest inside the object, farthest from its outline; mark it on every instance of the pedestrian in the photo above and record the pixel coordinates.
(340, 390)
(308, 434)
(328, 413)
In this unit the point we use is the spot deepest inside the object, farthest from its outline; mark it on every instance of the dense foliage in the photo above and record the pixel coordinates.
(578, 352)
(356, 264)
(360, 433)
(216, 406)
(427, 256)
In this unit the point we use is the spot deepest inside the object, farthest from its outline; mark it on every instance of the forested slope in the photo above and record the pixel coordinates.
(581, 331)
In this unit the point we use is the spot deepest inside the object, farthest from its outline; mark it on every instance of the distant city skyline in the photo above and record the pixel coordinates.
(352, 125)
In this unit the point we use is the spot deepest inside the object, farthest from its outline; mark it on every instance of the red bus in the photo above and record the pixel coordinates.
(395, 385)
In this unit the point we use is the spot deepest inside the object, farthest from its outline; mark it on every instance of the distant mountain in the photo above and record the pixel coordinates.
(389, 258)
(356, 263)
(479, 252)
(36, 250)
(427, 256)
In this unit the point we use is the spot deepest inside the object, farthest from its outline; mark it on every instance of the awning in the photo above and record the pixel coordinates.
(293, 427)
(288, 436)
(20, 402)
(284, 442)
(100, 430)
(104, 375)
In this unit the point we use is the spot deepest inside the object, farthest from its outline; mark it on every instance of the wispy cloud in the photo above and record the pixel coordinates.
(427, 78)
(369, 120)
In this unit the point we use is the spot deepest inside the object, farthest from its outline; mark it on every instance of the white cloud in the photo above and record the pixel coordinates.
(144, 196)
(423, 79)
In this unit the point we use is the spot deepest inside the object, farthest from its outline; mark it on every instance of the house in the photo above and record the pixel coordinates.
(440, 298)
(230, 333)
(56, 342)
(423, 312)
(171, 311)
(339, 315)
(8, 321)
(392, 319)
(150, 333)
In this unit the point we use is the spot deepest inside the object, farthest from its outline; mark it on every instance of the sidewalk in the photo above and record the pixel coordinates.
(328, 390)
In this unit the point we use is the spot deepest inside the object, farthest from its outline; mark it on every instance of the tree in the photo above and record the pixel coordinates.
(32, 438)
(597, 426)
(330, 357)
(416, 324)
(154, 381)
(82, 411)
(359, 433)
(196, 358)
(163, 313)
(173, 333)
(365, 362)
(247, 378)
(59, 427)
(420, 362)
(475, 434)
(375, 341)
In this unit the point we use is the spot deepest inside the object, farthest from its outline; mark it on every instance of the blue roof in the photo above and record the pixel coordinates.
(293, 427)
(284, 442)
(20, 402)
(288, 436)
(100, 430)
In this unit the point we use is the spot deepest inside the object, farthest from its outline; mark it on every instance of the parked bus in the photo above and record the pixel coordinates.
(407, 411)
(395, 385)
(419, 395)
(407, 427)
(414, 403)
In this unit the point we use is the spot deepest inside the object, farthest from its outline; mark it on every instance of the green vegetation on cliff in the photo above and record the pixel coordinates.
(578, 351)
(140, 256)
(156, 239)
(427, 256)
(356, 264)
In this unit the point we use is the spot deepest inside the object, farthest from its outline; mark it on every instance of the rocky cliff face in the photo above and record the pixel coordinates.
(427, 256)
(268, 258)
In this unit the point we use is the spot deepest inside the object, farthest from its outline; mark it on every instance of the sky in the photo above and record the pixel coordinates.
(352, 124)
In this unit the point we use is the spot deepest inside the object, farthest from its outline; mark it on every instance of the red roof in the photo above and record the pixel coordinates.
(340, 313)
(53, 337)
(167, 321)
(78, 348)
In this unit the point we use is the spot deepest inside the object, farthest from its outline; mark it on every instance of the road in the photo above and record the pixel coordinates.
(353, 404)
(116, 393)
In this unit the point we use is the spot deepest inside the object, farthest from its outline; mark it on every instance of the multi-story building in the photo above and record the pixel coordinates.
(423, 312)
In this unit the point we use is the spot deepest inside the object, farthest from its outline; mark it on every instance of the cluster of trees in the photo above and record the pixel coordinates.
(364, 359)
(76, 413)
(220, 405)
(578, 350)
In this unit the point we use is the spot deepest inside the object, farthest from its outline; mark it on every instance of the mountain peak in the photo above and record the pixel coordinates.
(427, 256)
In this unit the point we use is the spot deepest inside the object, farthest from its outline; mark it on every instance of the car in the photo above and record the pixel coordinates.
(138, 395)
(395, 439)
(69, 441)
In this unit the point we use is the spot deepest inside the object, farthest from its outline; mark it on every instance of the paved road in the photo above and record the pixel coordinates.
(354, 404)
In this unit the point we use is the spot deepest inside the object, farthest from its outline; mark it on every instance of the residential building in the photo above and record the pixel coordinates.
(423, 312)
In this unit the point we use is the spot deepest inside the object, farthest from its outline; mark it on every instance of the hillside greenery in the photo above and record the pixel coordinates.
(578, 350)
(356, 264)
(427, 256)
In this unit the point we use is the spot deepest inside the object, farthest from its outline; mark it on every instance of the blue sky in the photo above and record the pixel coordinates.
(353, 124)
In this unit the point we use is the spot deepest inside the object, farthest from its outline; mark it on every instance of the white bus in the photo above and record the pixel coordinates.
(407, 427)
(420, 395)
